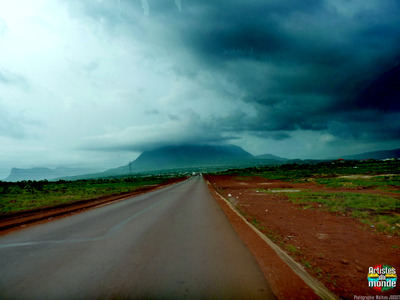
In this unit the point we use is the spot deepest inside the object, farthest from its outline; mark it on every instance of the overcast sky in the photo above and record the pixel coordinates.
(95, 82)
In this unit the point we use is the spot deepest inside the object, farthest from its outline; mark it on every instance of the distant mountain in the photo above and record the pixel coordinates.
(17, 174)
(270, 157)
(174, 157)
(180, 158)
(190, 156)
(395, 153)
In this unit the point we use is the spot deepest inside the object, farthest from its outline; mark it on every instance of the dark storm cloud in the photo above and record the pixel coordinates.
(187, 129)
(225, 31)
(322, 66)
(303, 66)
(383, 93)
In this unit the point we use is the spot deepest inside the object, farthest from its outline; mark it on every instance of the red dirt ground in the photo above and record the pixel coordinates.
(336, 249)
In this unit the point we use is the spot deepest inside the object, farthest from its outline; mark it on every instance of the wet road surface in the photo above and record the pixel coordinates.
(171, 243)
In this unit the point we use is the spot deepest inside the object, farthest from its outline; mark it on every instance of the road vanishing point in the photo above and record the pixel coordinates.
(171, 243)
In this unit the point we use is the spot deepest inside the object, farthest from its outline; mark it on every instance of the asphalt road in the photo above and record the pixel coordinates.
(171, 243)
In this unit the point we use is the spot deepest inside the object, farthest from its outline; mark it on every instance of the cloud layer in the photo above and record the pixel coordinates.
(112, 78)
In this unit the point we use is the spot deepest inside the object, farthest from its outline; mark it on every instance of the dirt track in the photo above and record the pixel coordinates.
(336, 249)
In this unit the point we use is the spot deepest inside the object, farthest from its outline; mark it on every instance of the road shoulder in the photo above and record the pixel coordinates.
(284, 281)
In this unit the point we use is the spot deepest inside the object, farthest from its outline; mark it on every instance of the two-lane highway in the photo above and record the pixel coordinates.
(171, 243)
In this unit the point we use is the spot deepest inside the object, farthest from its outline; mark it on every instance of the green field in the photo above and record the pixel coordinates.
(299, 172)
(368, 191)
(379, 211)
(390, 183)
(25, 195)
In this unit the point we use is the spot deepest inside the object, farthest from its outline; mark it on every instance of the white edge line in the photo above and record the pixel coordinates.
(314, 284)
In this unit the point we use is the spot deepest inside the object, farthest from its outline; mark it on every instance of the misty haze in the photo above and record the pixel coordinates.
(93, 84)
(207, 149)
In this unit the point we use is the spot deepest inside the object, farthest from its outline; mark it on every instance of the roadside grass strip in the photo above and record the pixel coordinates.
(295, 172)
(279, 190)
(254, 224)
(379, 211)
(383, 182)
(25, 195)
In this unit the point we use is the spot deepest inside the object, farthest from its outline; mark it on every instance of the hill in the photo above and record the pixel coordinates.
(180, 158)
(18, 174)
(395, 153)
(270, 157)
(189, 156)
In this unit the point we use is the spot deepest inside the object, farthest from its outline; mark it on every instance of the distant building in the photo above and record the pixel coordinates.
(340, 160)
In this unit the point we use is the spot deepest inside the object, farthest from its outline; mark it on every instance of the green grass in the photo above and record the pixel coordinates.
(306, 264)
(300, 172)
(273, 236)
(343, 201)
(257, 224)
(25, 195)
(378, 210)
(377, 182)
(293, 249)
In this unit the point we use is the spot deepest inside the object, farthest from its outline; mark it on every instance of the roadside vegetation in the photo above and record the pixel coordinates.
(285, 203)
(367, 190)
(389, 183)
(379, 211)
(25, 195)
(303, 172)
